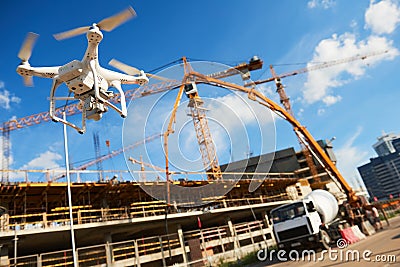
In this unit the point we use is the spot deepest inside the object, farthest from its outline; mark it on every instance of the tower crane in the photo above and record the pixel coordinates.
(285, 100)
(300, 130)
(143, 164)
(112, 154)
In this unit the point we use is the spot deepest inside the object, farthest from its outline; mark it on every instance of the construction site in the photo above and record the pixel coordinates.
(118, 223)
(151, 214)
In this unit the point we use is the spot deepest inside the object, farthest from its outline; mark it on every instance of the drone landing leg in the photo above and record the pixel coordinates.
(123, 112)
(92, 64)
(52, 112)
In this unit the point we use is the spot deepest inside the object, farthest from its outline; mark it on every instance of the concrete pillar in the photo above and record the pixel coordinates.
(108, 247)
(236, 243)
(268, 224)
(137, 254)
(182, 242)
(39, 261)
(220, 240)
(4, 260)
(44, 215)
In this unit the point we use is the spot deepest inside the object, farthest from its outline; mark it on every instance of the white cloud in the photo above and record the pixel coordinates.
(6, 98)
(325, 4)
(382, 17)
(320, 82)
(46, 160)
(349, 157)
(330, 99)
(300, 113)
(353, 24)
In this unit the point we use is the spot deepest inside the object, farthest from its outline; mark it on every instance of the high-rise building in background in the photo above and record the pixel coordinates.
(385, 146)
(381, 175)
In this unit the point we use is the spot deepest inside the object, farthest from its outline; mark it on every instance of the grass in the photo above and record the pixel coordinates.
(246, 260)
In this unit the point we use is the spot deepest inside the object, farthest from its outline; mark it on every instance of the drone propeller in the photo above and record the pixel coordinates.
(107, 24)
(26, 49)
(132, 70)
(28, 81)
(25, 54)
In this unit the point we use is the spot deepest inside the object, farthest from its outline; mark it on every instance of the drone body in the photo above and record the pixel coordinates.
(85, 79)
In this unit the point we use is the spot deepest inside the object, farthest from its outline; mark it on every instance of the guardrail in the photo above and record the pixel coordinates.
(193, 248)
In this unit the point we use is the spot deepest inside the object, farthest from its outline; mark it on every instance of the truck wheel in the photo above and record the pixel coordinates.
(325, 240)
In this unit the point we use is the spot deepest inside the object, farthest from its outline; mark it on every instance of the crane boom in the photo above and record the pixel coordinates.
(300, 130)
(322, 66)
(112, 154)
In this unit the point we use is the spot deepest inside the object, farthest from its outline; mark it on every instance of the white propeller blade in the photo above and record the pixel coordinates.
(132, 70)
(123, 67)
(26, 49)
(28, 81)
(71, 33)
(112, 22)
(107, 24)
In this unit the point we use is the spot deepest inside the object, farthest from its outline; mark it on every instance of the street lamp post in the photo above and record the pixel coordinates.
(71, 218)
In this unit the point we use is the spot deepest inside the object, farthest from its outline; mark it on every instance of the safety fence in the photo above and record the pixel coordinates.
(203, 247)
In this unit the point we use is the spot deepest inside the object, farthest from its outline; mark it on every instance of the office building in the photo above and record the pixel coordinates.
(382, 174)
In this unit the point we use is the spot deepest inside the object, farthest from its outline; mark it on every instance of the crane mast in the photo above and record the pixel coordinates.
(206, 145)
(285, 101)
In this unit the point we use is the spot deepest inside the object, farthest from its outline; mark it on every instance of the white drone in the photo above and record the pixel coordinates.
(85, 79)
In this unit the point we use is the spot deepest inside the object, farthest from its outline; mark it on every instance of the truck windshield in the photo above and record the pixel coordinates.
(288, 212)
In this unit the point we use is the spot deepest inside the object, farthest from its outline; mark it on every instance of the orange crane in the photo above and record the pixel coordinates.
(198, 113)
(300, 130)
(112, 154)
(142, 164)
(285, 100)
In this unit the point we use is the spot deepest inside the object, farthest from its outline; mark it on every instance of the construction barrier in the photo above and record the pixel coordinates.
(349, 236)
(357, 232)
(367, 228)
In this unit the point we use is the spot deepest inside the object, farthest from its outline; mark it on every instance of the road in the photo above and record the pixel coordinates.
(381, 249)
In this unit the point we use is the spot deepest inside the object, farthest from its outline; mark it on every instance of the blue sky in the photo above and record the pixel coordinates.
(354, 102)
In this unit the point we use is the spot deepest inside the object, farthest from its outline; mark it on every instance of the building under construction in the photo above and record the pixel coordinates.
(116, 222)
(119, 224)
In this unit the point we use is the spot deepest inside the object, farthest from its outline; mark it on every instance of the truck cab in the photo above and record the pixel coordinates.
(309, 222)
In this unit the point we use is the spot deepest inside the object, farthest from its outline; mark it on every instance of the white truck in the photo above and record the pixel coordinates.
(310, 222)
